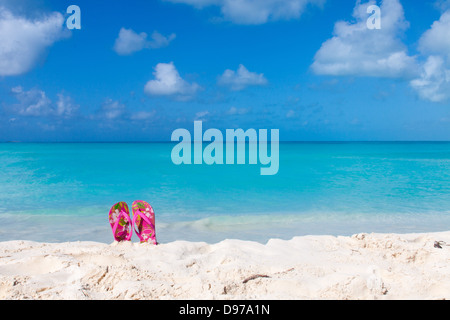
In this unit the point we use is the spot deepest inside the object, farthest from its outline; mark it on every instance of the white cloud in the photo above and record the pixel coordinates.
(160, 41)
(237, 111)
(255, 11)
(65, 107)
(355, 50)
(31, 103)
(111, 109)
(434, 81)
(359, 51)
(201, 116)
(35, 103)
(143, 115)
(168, 82)
(436, 40)
(23, 42)
(129, 41)
(242, 78)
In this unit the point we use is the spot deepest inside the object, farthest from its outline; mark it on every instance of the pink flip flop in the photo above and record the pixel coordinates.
(144, 221)
(121, 223)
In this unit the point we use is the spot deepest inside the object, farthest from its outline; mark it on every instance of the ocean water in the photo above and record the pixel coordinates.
(63, 191)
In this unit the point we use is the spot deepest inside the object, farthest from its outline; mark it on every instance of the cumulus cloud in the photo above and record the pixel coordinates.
(129, 42)
(356, 50)
(255, 11)
(23, 42)
(168, 82)
(65, 106)
(436, 40)
(35, 103)
(359, 51)
(434, 81)
(242, 78)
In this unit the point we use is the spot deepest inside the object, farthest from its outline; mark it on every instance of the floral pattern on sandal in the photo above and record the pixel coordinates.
(120, 221)
(144, 221)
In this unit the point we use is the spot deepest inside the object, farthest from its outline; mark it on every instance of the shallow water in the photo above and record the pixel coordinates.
(63, 191)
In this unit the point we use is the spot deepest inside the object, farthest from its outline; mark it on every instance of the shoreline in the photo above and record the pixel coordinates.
(363, 266)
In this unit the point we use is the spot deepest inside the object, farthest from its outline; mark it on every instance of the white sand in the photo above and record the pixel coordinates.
(316, 267)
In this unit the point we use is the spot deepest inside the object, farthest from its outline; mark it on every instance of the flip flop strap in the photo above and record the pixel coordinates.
(116, 224)
(146, 219)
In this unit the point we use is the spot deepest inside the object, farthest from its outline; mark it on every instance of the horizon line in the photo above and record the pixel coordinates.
(286, 141)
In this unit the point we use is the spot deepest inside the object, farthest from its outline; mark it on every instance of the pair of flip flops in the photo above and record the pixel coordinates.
(143, 221)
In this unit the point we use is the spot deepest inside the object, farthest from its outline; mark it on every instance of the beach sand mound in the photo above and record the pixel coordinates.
(364, 266)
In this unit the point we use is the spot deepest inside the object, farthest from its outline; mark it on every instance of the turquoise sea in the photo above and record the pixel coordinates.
(63, 191)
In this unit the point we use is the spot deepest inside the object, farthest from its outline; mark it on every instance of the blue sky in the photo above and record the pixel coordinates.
(137, 70)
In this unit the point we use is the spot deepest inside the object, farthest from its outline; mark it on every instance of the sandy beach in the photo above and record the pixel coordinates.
(364, 266)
